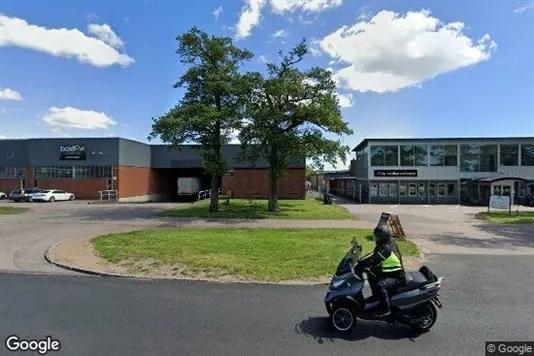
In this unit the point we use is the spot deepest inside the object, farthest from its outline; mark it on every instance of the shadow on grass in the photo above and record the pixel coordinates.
(321, 330)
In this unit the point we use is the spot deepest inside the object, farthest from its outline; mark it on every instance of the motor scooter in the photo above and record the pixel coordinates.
(413, 304)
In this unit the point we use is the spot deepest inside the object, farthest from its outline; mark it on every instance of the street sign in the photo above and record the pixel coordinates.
(499, 202)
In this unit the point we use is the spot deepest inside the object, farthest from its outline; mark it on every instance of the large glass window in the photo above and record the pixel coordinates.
(402, 189)
(384, 155)
(373, 190)
(441, 190)
(509, 155)
(76, 172)
(414, 155)
(392, 189)
(431, 189)
(383, 189)
(478, 158)
(412, 189)
(441, 155)
(12, 172)
(527, 155)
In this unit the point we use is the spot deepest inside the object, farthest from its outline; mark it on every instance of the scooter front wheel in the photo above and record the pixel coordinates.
(343, 318)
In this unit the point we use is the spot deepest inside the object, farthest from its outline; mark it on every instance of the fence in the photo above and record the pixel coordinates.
(204, 194)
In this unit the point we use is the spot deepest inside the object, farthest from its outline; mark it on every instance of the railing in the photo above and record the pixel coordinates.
(203, 194)
(108, 194)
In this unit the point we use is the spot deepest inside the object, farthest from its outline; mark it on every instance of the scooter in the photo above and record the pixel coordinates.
(413, 304)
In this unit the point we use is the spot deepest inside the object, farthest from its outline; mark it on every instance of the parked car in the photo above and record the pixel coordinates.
(23, 194)
(52, 195)
(3, 196)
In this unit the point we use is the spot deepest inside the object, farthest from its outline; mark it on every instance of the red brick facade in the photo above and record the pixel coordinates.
(7, 185)
(81, 188)
(254, 183)
(138, 181)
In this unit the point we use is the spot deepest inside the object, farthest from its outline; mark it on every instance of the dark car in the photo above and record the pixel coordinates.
(23, 194)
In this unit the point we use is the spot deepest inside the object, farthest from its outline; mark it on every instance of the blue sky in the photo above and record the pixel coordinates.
(404, 68)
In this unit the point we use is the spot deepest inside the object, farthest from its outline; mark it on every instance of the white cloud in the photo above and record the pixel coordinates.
(251, 12)
(281, 6)
(3, 111)
(71, 118)
(391, 52)
(345, 100)
(10, 94)
(60, 42)
(2, 137)
(106, 35)
(522, 9)
(280, 34)
(249, 18)
(264, 59)
(91, 16)
(217, 12)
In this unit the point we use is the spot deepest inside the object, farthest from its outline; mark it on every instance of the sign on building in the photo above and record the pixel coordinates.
(72, 153)
(396, 173)
(499, 202)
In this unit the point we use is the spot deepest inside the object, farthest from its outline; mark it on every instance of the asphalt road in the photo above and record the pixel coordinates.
(485, 298)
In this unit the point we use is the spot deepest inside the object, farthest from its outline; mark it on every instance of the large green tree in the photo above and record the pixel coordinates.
(290, 113)
(211, 108)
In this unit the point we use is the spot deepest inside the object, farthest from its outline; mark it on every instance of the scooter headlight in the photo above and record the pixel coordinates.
(337, 283)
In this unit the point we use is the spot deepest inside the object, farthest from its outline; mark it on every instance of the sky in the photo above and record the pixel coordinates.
(101, 68)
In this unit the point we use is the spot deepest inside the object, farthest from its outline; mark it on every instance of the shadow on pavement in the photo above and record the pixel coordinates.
(322, 331)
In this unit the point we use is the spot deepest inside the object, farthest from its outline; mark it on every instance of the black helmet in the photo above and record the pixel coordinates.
(382, 234)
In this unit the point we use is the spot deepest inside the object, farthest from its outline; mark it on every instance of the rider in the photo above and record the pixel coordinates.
(386, 265)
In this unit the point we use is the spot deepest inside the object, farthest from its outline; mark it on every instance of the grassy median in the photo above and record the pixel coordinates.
(7, 210)
(253, 254)
(305, 209)
(521, 217)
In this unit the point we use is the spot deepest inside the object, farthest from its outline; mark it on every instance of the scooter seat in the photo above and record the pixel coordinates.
(414, 280)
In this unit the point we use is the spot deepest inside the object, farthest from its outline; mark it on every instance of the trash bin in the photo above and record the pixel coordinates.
(328, 199)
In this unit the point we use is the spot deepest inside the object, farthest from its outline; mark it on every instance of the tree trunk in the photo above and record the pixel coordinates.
(273, 181)
(273, 191)
(214, 202)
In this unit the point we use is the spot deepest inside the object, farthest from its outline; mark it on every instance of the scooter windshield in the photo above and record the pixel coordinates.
(350, 258)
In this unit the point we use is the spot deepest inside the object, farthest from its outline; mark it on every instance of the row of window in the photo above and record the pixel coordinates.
(413, 190)
(12, 172)
(473, 158)
(74, 172)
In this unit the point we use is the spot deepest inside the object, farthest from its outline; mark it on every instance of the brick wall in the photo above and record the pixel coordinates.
(81, 188)
(7, 185)
(138, 181)
(254, 183)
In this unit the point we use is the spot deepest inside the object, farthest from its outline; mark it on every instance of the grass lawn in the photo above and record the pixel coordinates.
(524, 217)
(306, 209)
(254, 254)
(7, 210)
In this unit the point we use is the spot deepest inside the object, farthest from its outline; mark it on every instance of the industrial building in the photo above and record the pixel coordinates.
(437, 171)
(135, 170)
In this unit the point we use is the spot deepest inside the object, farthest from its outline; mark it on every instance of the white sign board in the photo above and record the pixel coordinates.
(499, 202)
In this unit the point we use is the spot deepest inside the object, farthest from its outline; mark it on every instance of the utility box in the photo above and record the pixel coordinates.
(188, 185)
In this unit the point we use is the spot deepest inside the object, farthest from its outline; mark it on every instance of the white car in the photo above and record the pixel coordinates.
(3, 196)
(52, 196)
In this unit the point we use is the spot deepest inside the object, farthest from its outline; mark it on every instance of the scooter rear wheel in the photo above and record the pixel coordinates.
(343, 319)
(426, 316)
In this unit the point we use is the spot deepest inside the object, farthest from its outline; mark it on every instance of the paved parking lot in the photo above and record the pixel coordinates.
(438, 229)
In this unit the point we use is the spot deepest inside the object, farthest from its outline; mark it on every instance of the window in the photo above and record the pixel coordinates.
(402, 189)
(384, 155)
(373, 190)
(414, 155)
(441, 190)
(72, 172)
(421, 189)
(431, 189)
(451, 190)
(478, 158)
(527, 155)
(509, 155)
(412, 189)
(10, 154)
(11, 172)
(444, 155)
(383, 189)
(392, 189)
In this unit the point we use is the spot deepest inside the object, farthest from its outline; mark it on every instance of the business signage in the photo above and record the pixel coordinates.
(499, 202)
(72, 153)
(396, 173)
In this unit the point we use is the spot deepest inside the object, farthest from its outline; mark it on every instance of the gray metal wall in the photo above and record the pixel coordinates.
(20, 150)
(99, 151)
(134, 154)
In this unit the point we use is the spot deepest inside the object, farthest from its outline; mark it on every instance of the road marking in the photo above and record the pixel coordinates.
(394, 206)
(457, 206)
(426, 206)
